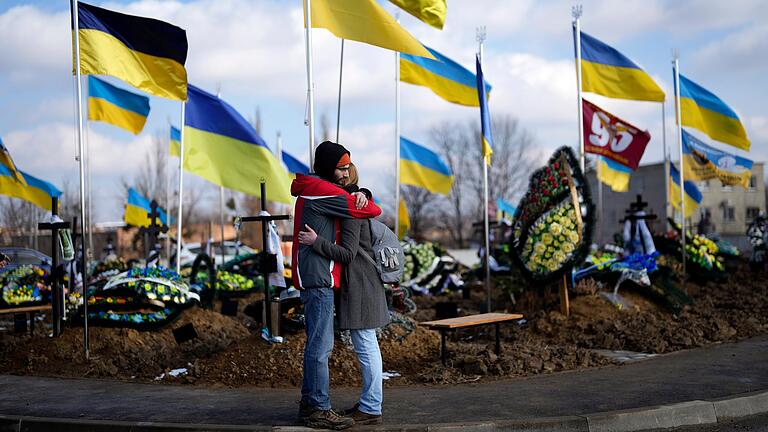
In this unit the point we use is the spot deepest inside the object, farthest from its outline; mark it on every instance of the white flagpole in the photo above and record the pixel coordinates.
(666, 163)
(88, 184)
(310, 84)
(338, 103)
(397, 144)
(168, 197)
(181, 189)
(81, 155)
(680, 145)
(576, 13)
(480, 35)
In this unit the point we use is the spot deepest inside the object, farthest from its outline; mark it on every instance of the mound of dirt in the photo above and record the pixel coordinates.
(230, 352)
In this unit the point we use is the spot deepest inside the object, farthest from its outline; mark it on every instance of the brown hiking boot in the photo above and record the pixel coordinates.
(362, 418)
(328, 419)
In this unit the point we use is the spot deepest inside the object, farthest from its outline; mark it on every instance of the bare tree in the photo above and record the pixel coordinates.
(512, 163)
(452, 142)
(421, 210)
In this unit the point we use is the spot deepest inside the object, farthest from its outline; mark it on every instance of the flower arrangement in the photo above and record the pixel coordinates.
(24, 284)
(700, 250)
(553, 224)
(552, 239)
(227, 281)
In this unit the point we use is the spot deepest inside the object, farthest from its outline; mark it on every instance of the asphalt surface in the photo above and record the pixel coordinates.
(707, 374)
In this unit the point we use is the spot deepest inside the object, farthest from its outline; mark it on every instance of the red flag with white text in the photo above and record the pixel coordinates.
(612, 137)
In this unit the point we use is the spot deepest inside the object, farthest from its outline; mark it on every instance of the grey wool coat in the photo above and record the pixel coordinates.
(362, 303)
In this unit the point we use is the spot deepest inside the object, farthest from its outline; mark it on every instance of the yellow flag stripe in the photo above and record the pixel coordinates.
(619, 82)
(102, 110)
(103, 54)
(235, 164)
(416, 174)
(717, 126)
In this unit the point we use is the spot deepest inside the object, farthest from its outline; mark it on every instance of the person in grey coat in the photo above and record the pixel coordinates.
(362, 306)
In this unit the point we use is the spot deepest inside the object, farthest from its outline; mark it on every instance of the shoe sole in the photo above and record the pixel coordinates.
(373, 421)
(326, 425)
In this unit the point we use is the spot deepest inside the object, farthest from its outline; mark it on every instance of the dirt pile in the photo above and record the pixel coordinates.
(230, 352)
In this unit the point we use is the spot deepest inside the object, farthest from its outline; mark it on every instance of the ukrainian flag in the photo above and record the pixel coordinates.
(146, 53)
(704, 111)
(431, 12)
(138, 208)
(7, 161)
(116, 106)
(443, 76)
(294, 165)
(485, 116)
(692, 193)
(33, 190)
(607, 72)
(613, 174)
(223, 148)
(174, 145)
(420, 166)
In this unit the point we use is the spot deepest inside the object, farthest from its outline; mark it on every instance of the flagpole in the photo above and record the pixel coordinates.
(480, 36)
(89, 184)
(81, 156)
(680, 146)
(599, 202)
(397, 143)
(576, 13)
(666, 163)
(310, 121)
(168, 199)
(181, 189)
(338, 104)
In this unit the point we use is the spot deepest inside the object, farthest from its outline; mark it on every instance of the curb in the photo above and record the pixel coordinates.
(653, 417)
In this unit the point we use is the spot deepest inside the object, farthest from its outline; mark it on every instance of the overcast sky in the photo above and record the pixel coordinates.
(253, 51)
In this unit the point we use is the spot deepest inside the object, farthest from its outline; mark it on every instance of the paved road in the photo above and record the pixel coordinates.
(703, 374)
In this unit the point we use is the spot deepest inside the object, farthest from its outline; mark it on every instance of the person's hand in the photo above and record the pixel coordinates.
(360, 200)
(307, 237)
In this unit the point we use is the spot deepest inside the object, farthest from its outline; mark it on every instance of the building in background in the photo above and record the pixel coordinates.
(730, 208)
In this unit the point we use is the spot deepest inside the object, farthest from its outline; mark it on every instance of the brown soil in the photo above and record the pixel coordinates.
(228, 351)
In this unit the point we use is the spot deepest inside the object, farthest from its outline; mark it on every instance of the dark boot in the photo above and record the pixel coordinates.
(305, 409)
(362, 418)
(328, 419)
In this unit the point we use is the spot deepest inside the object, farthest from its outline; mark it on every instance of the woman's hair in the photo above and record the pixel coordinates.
(353, 177)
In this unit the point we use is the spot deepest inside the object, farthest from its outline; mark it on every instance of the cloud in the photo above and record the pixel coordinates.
(740, 53)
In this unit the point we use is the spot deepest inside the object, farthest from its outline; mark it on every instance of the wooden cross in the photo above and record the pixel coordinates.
(151, 232)
(635, 207)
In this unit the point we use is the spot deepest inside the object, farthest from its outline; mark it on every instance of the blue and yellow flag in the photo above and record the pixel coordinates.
(364, 21)
(174, 145)
(701, 109)
(420, 166)
(446, 78)
(138, 208)
(223, 148)
(505, 207)
(692, 193)
(485, 116)
(703, 162)
(116, 106)
(613, 174)
(7, 161)
(34, 190)
(146, 53)
(403, 220)
(431, 12)
(607, 72)
(294, 165)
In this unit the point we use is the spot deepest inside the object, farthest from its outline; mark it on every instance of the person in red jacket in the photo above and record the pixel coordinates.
(321, 203)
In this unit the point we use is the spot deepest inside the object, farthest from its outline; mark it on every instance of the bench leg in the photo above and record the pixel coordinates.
(443, 349)
(498, 340)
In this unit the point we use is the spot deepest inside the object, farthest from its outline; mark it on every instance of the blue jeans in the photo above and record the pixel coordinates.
(369, 356)
(318, 312)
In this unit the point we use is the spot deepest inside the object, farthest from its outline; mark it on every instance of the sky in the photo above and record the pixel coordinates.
(252, 51)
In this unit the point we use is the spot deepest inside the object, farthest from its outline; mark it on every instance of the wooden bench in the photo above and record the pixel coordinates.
(30, 311)
(469, 321)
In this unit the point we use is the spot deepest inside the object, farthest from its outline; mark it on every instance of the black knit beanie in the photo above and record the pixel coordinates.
(327, 155)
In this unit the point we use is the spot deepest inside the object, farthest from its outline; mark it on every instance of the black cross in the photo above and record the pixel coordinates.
(269, 261)
(150, 233)
(635, 207)
(57, 294)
